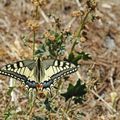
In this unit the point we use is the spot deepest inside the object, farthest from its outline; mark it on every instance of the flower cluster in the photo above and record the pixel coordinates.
(39, 2)
(49, 36)
(76, 13)
(33, 25)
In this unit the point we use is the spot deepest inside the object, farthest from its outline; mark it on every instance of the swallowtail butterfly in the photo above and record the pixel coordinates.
(37, 73)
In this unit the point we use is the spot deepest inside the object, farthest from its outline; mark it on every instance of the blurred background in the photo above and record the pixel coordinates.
(100, 38)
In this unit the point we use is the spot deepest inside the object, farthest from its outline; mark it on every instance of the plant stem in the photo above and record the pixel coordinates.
(78, 34)
(32, 100)
(34, 35)
(69, 104)
(36, 12)
(66, 117)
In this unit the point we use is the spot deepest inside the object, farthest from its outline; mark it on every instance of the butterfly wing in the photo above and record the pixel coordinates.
(25, 67)
(56, 69)
(57, 76)
(22, 78)
(48, 70)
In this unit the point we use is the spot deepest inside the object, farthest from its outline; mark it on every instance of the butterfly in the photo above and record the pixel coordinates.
(38, 74)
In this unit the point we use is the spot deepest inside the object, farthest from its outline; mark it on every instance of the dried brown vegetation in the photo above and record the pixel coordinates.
(100, 38)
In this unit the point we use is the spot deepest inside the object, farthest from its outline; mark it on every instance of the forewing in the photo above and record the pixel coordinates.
(55, 67)
(25, 67)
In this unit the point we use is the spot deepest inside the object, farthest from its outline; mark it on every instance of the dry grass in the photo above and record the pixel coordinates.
(102, 72)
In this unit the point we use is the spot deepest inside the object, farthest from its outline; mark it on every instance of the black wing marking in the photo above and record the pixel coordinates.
(57, 63)
(22, 78)
(24, 67)
(57, 76)
(20, 64)
(55, 67)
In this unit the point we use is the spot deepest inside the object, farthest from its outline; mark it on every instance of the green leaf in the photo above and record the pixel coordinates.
(42, 51)
(80, 55)
(59, 39)
(83, 55)
(76, 92)
(7, 115)
(71, 57)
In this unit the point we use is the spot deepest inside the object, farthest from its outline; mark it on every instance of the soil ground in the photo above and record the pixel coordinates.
(102, 43)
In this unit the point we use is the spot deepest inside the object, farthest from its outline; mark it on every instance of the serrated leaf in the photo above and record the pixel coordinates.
(78, 91)
(80, 55)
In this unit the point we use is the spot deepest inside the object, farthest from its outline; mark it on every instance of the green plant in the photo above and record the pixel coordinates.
(54, 45)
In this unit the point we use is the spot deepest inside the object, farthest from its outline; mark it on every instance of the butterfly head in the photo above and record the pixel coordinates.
(39, 86)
